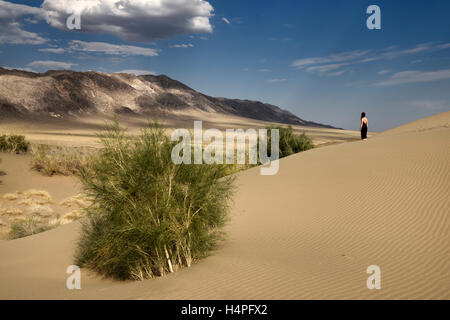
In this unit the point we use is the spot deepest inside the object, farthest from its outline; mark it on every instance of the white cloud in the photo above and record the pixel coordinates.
(417, 49)
(112, 49)
(183, 45)
(444, 46)
(53, 50)
(276, 80)
(130, 20)
(337, 73)
(345, 56)
(18, 68)
(51, 64)
(137, 72)
(327, 67)
(333, 62)
(264, 70)
(383, 72)
(12, 32)
(413, 76)
(134, 20)
(431, 105)
(226, 20)
(31, 20)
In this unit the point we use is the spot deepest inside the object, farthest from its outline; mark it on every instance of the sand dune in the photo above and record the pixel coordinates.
(309, 232)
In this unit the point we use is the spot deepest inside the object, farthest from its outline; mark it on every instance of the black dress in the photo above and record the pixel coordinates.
(364, 131)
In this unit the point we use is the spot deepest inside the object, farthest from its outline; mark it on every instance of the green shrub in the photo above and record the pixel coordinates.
(149, 216)
(27, 227)
(13, 143)
(290, 142)
(57, 160)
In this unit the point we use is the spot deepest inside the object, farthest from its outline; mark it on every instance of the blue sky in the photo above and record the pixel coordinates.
(316, 59)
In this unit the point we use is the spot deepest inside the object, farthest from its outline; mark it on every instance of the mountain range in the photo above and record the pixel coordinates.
(64, 93)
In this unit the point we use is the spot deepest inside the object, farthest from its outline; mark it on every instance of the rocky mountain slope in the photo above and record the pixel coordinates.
(68, 93)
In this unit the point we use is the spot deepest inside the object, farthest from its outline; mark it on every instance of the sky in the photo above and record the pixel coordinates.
(317, 59)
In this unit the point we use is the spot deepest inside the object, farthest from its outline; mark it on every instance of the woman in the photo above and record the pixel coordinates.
(363, 127)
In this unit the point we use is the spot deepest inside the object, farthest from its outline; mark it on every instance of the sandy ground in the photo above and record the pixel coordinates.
(29, 193)
(17, 175)
(309, 232)
(83, 132)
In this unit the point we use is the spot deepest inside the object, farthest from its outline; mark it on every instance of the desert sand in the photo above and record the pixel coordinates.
(82, 132)
(309, 232)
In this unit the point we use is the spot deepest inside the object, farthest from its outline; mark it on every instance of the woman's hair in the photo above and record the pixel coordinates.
(363, 114)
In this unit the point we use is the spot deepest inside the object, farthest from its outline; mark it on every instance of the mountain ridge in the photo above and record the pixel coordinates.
(66, 93)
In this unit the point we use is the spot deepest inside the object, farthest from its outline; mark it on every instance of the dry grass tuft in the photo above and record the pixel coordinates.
(11, 212)
(79, 200)
(36, 196)
(74, 215)
(13, 143)
(26, 202)
(40, 210)
(36, 212)
(54, 221)
(10, 196)
(59, 160)
(28, 226)
(15, 219)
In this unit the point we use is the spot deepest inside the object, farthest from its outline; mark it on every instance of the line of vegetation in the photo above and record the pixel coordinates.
(59, 160)
(13, 143)
(149, 217)
(28, 226)
(290, 142)
(62, 160)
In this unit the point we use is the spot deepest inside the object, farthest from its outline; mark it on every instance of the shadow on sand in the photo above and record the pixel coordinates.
(2, 173)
